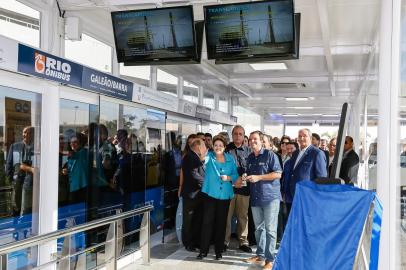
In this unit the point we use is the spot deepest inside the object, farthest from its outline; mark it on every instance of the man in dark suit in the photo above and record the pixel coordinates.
(193, 177)
(350, 162)
(307, 163)
(316, 142)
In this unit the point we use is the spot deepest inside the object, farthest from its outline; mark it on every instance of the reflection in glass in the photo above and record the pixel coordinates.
(20, 115)
(177, 131)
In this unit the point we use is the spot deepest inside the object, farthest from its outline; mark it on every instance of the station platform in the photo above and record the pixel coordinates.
(173, 255)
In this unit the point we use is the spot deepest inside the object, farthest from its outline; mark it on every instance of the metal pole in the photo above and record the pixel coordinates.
(116, 251)
(3, 262)
(148, 238)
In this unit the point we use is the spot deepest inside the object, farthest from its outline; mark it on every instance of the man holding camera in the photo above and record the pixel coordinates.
(19, 168)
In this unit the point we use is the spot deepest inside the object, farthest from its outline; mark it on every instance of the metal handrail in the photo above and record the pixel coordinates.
(43, 238)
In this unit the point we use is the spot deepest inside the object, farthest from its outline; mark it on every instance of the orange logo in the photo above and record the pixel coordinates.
(39, 63)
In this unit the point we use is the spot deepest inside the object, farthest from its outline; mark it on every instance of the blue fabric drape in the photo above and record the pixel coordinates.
(324, 227)
(376, 235)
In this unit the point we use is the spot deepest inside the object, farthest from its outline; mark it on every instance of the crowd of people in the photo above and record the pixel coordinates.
(94, 168)
(249, 182)
(253, 180)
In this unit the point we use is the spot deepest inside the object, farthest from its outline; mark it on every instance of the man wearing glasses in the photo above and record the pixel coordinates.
(350, 162)
(283, 152)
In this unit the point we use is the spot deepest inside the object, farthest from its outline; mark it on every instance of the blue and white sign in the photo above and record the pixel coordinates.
(44, 65)
(106, 84)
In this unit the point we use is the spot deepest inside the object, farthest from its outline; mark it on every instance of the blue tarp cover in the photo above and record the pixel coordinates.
(324, 227)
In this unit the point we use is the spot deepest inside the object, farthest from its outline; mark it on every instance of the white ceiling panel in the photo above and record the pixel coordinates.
(337, 39)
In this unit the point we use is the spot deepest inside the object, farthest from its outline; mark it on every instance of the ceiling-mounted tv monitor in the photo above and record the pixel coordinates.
(297, 35)
(155, 36)
(199, 30)
(251, 31)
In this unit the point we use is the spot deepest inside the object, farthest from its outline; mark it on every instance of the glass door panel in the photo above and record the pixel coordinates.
(155, 147)
(20, 126)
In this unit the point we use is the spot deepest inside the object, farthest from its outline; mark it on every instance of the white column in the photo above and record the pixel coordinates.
(364, 142)
(354, 130)
(52, 29)
(115, 66)
(180, 87)
(48, 188)
(200, 95)
(230, 105)
(388, 160)
(216, 101)
(153, 78)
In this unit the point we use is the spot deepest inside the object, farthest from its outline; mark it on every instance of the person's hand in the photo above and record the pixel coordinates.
(26, 168)
(65, 171)
(224, 177)
(238, 183)
(113, 183)
(253, 178)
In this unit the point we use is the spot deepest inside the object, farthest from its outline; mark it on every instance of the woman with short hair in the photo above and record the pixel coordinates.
(221, 173)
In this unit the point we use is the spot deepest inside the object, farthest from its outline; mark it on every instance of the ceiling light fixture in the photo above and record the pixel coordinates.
(296, 98)
(302, 108)
(290, 115)
(269, 66)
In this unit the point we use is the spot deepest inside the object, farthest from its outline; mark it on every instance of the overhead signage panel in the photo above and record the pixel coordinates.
(48, 66)
(157, 99)
(203, 112)
(106, 84)
(41, 64)
(187, 108)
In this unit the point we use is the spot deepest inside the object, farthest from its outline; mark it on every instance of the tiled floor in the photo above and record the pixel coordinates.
(173, 256)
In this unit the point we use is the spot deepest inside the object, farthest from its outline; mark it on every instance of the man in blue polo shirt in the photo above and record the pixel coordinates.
(264, 172)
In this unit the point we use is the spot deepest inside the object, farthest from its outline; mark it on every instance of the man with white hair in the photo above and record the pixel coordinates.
(307, 163)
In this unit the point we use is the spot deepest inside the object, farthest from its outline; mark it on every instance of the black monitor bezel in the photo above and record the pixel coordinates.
(254, 58)
(137, 62)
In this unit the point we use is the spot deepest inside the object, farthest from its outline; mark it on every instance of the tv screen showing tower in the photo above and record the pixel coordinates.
(250, 29)
(154, 34)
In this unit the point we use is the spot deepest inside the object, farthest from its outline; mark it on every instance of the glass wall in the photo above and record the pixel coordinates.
(138, 74)
(250, 120)
(274, 129)
(223, 104)
(401, 185)
(208, 100)
(167, 83)
(190, 92)
(212, 128)
(90, 52)
(20, 22)
(110, 158)
(177, 130)
(20, 126)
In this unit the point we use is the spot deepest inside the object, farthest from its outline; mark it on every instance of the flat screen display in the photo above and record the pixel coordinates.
(250, 30)
(150, 35)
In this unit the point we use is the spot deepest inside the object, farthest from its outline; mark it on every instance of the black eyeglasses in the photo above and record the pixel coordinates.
(347, 143)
